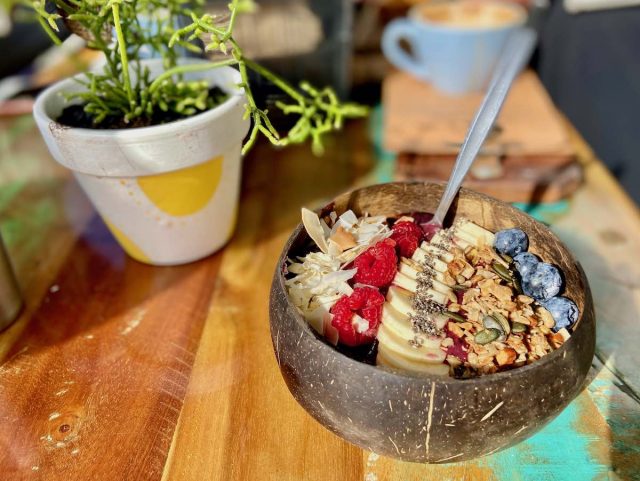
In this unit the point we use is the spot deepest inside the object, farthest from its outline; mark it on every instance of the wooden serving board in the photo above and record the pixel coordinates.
(527, 157)
(422, 120)
(544, 183)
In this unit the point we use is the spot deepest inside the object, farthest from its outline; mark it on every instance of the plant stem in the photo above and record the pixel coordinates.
(195, 67)
(275, 79)
(123, 52)
(47, 28)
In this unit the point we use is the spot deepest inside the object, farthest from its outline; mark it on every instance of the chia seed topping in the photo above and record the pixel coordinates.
(423, 323)
(416, 342)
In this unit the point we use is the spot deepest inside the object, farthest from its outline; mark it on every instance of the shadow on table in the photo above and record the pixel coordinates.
(278, 182)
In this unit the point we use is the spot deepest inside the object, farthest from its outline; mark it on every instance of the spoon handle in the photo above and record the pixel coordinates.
(516, 54)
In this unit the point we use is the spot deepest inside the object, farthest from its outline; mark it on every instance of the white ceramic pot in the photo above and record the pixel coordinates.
(168, 193)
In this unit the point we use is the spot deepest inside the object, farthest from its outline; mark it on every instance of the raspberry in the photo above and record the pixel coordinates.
(407, 236)
(377, 265)
(367, 303)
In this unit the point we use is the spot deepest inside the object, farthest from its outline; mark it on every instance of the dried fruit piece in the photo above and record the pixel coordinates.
(350, 312)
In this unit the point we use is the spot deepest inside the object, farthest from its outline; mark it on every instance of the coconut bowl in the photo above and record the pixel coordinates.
(421, 418)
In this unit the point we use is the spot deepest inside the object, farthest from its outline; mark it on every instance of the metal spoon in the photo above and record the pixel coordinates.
(516, 54)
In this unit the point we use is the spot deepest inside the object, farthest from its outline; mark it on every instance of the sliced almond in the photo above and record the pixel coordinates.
(545, 317)
(555, 339)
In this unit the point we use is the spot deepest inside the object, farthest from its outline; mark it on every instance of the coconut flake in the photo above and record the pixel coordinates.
(360, 324)
(314, 228)
(330, 332)
(321, 278)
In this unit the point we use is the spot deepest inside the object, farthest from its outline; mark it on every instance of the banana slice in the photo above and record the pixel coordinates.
(411, 285)
(386, 359)
(411, 269)
(391, 344)
(460, 234)
(437, 252)
(399, 326)
(420, 255)
(402, 301)
(480, 235)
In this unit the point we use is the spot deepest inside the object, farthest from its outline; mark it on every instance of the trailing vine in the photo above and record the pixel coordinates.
(128, 31)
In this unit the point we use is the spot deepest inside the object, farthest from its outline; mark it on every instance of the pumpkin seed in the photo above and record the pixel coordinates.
(502, 271)
(507, 258)
(455, 316)
(487, 336)
(518, 327)
(490, 322)
(460, 288)
(517, 285)
(504, 322)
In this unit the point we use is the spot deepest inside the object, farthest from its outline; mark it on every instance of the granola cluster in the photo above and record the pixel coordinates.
(488, 295)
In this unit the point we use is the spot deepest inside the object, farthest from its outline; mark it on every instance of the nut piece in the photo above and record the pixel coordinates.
(545, 317)
(343, 238)
(555, 339)
(525, 300)
(506, 357)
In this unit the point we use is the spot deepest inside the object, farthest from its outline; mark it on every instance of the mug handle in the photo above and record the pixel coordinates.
(396, 31)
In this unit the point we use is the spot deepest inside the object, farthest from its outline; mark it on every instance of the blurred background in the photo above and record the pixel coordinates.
(586, 63)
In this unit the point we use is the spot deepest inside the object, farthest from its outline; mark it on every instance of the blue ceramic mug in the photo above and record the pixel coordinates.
(454, 45)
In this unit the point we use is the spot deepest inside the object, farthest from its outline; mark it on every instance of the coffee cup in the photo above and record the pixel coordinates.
(455, 45)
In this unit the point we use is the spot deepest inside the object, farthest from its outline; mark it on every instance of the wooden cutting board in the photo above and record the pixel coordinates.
(529, 185)
(420, 119)
(528, 156)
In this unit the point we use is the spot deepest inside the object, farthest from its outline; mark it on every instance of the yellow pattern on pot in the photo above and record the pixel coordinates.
(127, 244)
(186, 191)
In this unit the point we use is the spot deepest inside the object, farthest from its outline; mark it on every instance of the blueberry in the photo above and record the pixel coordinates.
(525, 262)
(563, 311)
(511, 242)
(542, 282)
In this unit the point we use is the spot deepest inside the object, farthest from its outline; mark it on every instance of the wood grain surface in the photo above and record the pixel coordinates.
(527, 158)
(422, 120)
(122, 371)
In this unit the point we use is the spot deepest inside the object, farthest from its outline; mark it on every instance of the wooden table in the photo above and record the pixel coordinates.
(121, 371)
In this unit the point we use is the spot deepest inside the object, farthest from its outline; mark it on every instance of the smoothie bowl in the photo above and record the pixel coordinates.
(428, 345)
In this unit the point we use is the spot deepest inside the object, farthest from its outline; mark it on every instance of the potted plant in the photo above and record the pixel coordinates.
(157, 143)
